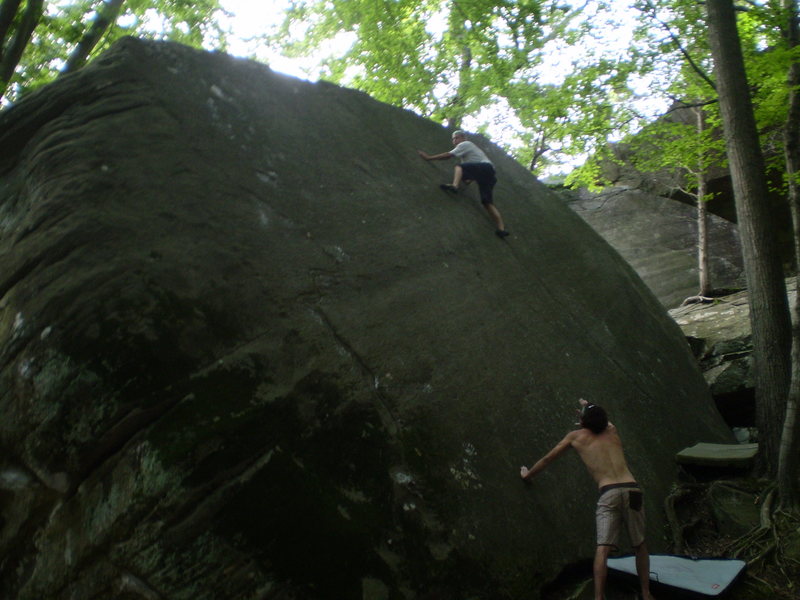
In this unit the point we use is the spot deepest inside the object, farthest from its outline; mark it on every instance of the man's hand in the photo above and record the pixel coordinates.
(442, 156)
(542, 463)
(583, 403)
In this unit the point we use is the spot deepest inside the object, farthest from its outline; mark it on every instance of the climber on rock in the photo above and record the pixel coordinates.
(475, 166)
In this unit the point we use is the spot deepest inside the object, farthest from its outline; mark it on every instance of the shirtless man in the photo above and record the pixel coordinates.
(600, 448)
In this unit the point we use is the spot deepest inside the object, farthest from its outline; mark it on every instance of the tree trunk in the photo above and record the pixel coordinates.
(702, 240)
(456, 108)
(769, 307)
(16, 46)
(540, 148)
(788, 486)
(8, 8)
(105, 17)
(702, 215)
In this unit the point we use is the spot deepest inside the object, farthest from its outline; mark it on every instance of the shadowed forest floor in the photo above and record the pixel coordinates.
(771, 549)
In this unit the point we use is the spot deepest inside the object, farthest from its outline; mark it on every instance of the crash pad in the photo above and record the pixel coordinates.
(707, 576)
(718, 455)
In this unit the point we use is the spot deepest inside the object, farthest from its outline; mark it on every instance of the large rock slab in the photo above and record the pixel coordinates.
(249, 349)
(658, 237)
(720, 336)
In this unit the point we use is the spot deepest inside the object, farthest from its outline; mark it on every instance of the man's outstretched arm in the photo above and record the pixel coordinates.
(557, 451)
(442, 156)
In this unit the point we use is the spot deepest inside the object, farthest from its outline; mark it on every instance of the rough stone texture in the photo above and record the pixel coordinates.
(707, 517)
(249, 349)
(668, 183)
(658, 237)
(719, 334)
(735, 511)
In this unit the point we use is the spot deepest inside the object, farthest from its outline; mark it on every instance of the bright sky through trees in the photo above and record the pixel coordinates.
(251, 18)
(613, 31)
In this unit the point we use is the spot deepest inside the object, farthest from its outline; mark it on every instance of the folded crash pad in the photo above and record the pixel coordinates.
(718, 455)
(707, 576)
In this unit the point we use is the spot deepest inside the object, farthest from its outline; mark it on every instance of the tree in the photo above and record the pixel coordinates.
(701, 197)
(788, 486)
(17, 23)
(40, 40)
(769, 314)
(108, 14)
(677, 152)
(767, 35)
(768, 58)
(460, 62)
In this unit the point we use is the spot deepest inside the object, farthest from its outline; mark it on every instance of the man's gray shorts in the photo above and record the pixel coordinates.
(620, 503)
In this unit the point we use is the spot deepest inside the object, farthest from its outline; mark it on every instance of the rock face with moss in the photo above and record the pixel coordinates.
(250, 350)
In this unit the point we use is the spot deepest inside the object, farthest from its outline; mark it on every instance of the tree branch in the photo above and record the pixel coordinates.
(695, 67)
(105, 17)
(10, 60)
(681, 104)
(7, 11)
(559, 29)
(540, 148)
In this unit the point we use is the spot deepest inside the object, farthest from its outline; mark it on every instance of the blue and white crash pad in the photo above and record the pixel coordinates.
(707, 576)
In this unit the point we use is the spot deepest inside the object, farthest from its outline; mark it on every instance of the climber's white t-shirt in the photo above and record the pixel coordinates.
(470, 153)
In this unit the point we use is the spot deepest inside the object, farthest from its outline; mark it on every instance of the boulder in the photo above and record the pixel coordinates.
(719, 334)
(248, 349)
(658, 237)
(736, 511)
(619, 169)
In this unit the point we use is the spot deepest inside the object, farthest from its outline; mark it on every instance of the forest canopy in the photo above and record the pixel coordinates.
(553, 81)
(40, 39)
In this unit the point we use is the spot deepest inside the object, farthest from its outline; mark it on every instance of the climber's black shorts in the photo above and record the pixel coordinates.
(483, 174)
